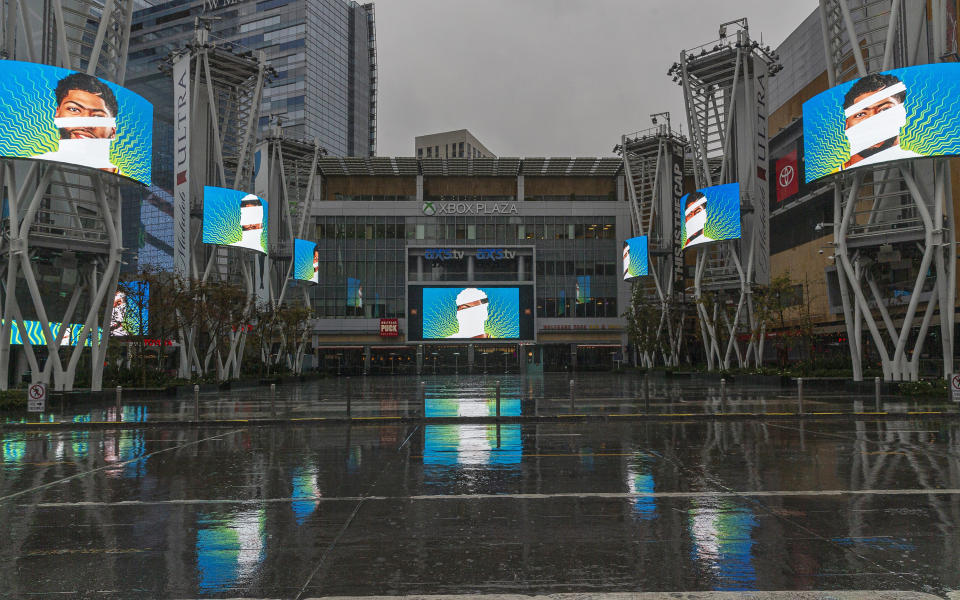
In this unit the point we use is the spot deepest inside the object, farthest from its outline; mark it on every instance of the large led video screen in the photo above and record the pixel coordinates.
(635, 258)
(457, 312)
(306, 261)
(710, 215)
(234, 218)
(53, 114)
(131, 310)
(893, 115)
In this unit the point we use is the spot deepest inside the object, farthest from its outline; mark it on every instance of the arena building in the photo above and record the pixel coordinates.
(398, 235)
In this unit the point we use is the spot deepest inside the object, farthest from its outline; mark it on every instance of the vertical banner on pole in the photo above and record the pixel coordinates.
(181, 184)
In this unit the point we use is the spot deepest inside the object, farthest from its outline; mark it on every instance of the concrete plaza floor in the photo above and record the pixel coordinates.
(589, 508)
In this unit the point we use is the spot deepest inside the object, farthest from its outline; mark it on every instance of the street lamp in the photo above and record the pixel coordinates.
(456, 362)
(435, 362)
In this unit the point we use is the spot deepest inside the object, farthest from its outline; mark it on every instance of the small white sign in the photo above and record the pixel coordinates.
(955, 388)
(37, 397)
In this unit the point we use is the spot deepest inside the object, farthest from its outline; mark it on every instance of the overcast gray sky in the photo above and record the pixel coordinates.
(545, 77)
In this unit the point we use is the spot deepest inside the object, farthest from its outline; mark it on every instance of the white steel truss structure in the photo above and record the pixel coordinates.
(61, 242)
(724, 87)
(225, 93)
(653, 162)
(287, 175)
(894, 232)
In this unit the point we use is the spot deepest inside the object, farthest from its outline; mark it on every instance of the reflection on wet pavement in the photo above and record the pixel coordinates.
(481, 508)
(475, 396)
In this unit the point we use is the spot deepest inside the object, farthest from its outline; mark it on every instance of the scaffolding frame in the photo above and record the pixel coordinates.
(653, 162)
(291, 171)
(67, 217)
(900, 208)
(226, 90)
(724, 87)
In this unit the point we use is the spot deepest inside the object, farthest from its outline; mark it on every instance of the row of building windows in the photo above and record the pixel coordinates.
(454, 150)
(330, 229)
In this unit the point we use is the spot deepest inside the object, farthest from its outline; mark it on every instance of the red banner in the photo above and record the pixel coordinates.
(788, 176)
(389, 328)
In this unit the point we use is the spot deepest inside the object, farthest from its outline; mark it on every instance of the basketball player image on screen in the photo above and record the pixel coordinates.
(251, 222)
(86, 118)
(874, 113)
(472, 313)
(695, 217)
(626, 260)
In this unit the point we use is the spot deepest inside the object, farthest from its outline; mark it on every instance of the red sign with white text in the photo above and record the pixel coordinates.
(389, 328)
(788, 180)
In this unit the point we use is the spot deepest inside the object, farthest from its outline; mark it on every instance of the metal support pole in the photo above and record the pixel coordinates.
(498, 398)
(571, 395)
(196, 402)
(723, 392)
(800, 395)
(876, 391)
(119, 393)
(423, 398)
(349, 398)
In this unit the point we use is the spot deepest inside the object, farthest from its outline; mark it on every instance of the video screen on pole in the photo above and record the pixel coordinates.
(131, 310)
(53, 114)
(710, 215)
(635, 258)
(452, 313)
(894, 115)
(306, 261)
(234, 218)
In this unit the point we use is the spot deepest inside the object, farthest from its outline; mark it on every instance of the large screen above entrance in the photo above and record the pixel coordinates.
(476, 313)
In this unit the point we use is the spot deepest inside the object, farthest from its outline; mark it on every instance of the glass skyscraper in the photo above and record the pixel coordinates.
(324, 55)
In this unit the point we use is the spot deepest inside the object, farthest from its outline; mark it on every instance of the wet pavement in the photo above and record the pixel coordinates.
(474, 396)
(299, 511)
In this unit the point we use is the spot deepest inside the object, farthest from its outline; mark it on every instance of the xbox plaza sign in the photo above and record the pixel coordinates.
(436, 207)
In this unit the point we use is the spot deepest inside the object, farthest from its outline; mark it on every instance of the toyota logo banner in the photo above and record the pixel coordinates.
(787, 176)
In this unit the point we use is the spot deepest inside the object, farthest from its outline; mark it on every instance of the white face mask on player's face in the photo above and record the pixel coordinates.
(876, 129)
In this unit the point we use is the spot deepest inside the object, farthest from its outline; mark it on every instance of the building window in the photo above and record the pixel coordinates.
(468, 151)
(461, 150)
(419, 152)
(429, 152)
(436, 150)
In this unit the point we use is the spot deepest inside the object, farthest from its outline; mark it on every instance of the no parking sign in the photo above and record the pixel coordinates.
(37, 397)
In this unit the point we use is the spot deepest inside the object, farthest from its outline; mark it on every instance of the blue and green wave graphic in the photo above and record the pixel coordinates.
(723, 213)
(639, 259)
(303, 260)
(933, 118)
(440, 312)
(221, 217)
(28, 104)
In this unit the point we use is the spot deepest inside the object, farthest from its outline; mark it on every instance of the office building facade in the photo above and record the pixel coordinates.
(450, 144)
(324, 87)
(388, 228)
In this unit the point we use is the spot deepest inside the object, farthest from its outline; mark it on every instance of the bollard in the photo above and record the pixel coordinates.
(498, 398)
(800, 395)
(196, 402)
(571, 395)
(349, 398)
(119, 392)
(876, 391)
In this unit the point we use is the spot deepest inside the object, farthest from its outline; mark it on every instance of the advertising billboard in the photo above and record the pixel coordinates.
(711, 215)
(130, 314)
(306, 261)
(457, 312)
(635, 258)
(234, 218)
(54, 114)
(893, 115)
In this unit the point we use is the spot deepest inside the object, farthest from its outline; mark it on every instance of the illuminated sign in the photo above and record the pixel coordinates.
(494, 254)
(893, 115)
(711, 214)
(53, 114)
(456, 313)
(635, 258)
(442, 254)
(469, 208)
(234, 218)
(389, 327)
(306, 261)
